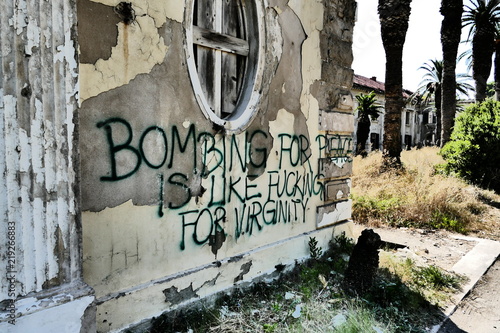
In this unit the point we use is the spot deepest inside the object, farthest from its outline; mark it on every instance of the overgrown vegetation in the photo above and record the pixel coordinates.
(310, 299)
(474, 150)
(418, 196)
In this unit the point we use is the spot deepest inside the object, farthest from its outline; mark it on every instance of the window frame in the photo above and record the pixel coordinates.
(250, 91)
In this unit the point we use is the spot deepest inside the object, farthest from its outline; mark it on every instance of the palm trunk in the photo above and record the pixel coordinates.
(451, 29)
(362, 134)
(497, 69)
(394, 17)
(393, 109)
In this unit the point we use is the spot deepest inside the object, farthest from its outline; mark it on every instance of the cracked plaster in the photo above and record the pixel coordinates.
(159, 11)
(140, 47)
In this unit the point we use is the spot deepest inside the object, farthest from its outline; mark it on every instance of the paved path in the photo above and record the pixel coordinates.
(479, 311)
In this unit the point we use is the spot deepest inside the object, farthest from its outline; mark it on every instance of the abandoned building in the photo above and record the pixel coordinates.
(418, 122)
(155, 152)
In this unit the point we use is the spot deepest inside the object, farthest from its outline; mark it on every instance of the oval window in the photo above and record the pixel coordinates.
(224, 42)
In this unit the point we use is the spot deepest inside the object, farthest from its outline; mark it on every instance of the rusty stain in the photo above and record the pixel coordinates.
(125, 49)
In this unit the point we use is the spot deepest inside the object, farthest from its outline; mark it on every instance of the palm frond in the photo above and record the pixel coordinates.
(432, 79)
(368, 106)
(481, 14)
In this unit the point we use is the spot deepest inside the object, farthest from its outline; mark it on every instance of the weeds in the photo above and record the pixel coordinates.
(445, 220)
(362, 319)
(435, 278)
(310, 299)
(415, 286)
(314, 251)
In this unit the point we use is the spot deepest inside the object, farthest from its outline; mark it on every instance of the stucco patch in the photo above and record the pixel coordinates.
(310, 13)
(286, 85)
(97, 31)
(139, 48)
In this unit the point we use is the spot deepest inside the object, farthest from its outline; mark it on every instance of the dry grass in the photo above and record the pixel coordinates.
(419, 197)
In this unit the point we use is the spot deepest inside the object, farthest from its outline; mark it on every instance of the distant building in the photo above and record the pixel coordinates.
(418, 124)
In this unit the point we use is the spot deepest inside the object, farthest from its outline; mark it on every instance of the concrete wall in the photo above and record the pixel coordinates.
(175, 207)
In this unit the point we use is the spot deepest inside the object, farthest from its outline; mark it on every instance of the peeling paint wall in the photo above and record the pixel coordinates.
(177, 206)
(40, 235)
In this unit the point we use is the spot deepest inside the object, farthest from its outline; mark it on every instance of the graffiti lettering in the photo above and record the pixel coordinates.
(180, 177)
(291, 183)
(143, 153)
(213, 152)
(183, 147)
(205, 218)
(278, 197)
(114, 149)
(295, 147)
(335, 146)
(160, 209)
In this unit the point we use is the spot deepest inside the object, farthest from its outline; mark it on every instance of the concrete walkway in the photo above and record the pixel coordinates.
(478, 306)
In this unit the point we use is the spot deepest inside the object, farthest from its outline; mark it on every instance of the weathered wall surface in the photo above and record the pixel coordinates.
(177, 206)
(40, 257)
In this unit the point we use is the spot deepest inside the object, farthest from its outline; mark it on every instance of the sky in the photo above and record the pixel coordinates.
(422, 41)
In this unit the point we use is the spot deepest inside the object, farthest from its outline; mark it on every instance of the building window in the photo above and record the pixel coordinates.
(407, 118)
(225, 58)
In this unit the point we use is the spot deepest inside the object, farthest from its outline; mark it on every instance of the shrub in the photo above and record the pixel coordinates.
(474, 150)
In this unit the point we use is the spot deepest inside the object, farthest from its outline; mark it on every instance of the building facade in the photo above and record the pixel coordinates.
(418, 123)
(160, 152)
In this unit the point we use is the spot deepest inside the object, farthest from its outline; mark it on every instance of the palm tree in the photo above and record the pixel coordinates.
(367, 109)
(394, 16)
(451, 29)
(482, 17)
(431, 88)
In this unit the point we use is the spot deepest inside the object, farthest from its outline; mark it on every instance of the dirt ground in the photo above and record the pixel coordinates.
(435, 247)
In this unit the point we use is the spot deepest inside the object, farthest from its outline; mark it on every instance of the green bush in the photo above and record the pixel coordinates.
(473, 152)
(446, 220)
